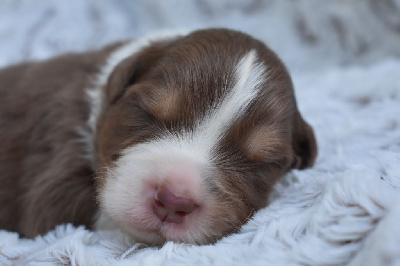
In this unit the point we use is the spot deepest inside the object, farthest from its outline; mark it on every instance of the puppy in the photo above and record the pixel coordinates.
(175, 138)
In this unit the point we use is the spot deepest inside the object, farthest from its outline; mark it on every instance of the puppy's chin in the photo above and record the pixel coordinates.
(149, 229)
(152, 238)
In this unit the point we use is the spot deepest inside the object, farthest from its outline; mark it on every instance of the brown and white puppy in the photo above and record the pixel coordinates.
(182, 139)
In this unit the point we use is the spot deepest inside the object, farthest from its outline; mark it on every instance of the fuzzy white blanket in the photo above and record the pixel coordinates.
(344, 210)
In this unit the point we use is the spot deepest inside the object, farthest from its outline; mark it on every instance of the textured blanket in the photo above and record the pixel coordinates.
(344, 59)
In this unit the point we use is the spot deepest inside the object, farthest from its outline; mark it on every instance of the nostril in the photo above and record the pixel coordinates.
(158, 203)
(174, 203)
(171, 208)
(180, 213)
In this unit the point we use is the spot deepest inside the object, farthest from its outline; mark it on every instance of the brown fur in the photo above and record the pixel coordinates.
(44, 175)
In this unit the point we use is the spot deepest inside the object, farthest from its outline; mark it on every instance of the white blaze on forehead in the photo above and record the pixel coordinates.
(249, 76)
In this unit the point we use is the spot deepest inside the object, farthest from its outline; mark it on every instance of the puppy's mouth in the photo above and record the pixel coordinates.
(169, 215)
(164, 213)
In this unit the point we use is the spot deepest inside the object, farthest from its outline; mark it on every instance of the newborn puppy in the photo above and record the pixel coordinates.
(178, 138)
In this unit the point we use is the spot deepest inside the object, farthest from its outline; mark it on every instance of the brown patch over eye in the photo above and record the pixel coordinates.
(163, 104)
(266, 143)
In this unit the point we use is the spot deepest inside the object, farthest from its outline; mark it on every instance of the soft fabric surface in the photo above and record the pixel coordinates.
(346, 71)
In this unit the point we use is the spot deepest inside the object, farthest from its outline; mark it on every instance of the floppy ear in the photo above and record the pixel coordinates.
(132, 69)
(123, 75)
(304, 143)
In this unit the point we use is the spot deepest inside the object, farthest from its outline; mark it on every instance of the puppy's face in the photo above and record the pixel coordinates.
(194, 133)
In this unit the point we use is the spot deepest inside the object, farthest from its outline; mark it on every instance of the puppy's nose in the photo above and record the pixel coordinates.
(171, 208)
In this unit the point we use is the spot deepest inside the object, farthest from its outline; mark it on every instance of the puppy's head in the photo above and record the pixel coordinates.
(193, 134)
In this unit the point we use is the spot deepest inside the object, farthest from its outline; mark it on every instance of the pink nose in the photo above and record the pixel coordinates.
(170, 208)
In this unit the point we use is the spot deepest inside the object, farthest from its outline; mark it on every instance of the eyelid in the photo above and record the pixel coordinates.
(163, 104)
(266, 143)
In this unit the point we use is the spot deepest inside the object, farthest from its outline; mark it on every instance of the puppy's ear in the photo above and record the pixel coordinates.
(123, 75)
(304, 143)
(132, 69)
